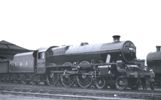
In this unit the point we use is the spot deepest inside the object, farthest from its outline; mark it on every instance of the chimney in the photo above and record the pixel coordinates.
(158, 48)
(116, 38)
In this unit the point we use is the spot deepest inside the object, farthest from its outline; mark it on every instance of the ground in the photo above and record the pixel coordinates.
(17, 97)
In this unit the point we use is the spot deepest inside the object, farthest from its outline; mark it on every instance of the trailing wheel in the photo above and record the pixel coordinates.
(100, 82)
(121, 83)
(84, 81)
(52, 79)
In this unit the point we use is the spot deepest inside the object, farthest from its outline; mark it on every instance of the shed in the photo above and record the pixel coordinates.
(8, 50)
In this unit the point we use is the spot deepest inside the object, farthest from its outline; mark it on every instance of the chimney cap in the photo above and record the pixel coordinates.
(116, 38)
(158, 48)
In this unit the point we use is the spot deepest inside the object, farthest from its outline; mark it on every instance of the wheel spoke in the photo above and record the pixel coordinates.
(121, 83)
(67, 80)
(100, 83)
(84, 81)
(52, 79)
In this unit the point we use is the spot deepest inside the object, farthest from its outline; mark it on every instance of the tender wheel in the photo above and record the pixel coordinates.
(135, 87)
(22, 79)
(84, 81)
(47, 82)
(152, 85)
(100, 82)
(67, 80)
(121, 83)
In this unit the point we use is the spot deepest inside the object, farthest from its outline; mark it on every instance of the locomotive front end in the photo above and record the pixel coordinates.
(129, 51)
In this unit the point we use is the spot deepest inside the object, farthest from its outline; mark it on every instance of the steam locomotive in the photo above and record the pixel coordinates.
(109, 64)
(154, 62)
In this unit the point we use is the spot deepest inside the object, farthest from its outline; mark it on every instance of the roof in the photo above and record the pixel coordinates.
(7, 45)
(24, 54)
(42, 49)
(8, 50)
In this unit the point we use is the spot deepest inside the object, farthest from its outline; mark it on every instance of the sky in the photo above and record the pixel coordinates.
(37, 24)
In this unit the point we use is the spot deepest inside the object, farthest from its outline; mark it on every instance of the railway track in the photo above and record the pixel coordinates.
(75, 93)
(66, 96)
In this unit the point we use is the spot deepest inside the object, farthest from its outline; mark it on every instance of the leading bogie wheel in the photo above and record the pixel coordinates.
(100, 82)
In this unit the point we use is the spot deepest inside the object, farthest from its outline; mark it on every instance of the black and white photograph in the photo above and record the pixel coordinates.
(80, 50)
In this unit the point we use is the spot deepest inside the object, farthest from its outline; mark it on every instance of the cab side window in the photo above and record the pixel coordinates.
(41, 55)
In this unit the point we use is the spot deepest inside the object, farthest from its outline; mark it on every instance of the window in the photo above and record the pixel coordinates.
(41, 55)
